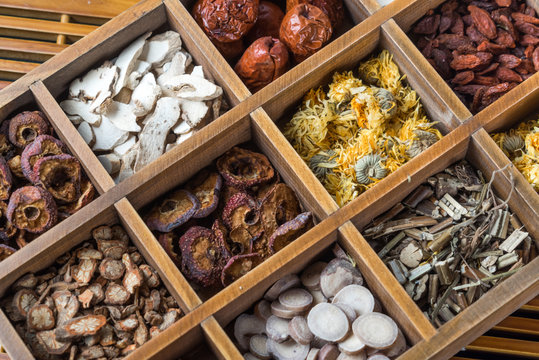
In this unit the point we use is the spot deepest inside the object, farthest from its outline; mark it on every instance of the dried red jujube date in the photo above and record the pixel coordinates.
(200, 256)
(226, 20)
(264, 61)
(229, 50)
(243, 168)
(6, 180)
(290, 231)
(26, 126)
(334, 9)
(43, 145)
(32, 209)
(60, 175)
(206, 186)
(268, 22)
(305, 30)
(173, 211)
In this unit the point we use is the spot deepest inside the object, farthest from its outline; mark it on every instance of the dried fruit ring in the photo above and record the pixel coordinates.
(43, 145)
(32, 209)
(241, 211)
(200, 256)
(290, 231)
(7, 230)
(26, 126)
(60, 175)
(173, 211)
(243, 168)
(167, 241)
(6, 180)
(238, 266)
(6, 251)
(278, 207)
(206, 186)
(226, 20)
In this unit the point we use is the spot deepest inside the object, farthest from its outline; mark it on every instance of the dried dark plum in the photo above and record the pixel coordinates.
(32, 209)
(243, 168)
(206, 186)
(173, 211)
(290, 231)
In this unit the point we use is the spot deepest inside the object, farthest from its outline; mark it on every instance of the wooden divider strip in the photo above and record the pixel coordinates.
(11, 341)
(219, 341)
(71, 137)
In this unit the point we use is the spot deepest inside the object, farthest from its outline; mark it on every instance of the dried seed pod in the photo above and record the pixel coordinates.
(305, 30)
(111, 269)
(264, 61)
(6, 180)
(243, 168)
(226, 20)
(174, 210)
(116, 295)
(267, 23)
(369, 167)
(133, 278)
(80, 326)
(40, 318)
(32, 209)
(237, 266)
(84, 272)
(26, 126)
(322, 163)
(43, 145)
(150, 276)
(60, 175)
(290, 231)
(383, 337)
(168, 241)
(338, 274)
(23, 301)
(206, 186)
(200, 256)
(279, 206)
(328, 322)
(52, 345)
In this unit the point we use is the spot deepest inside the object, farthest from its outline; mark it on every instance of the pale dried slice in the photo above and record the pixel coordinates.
(82, 109)
(108, 136)
(128, 324)
(80, 326)
(28, 281)
(313, 354)
(277, 328)
(94, 82)
(378, 357)
(86, 298)
(133, 277)
(89, 253)
(170, 318)
(153, 135)
(356, 296)
(122, 149)
(145, 95)
(193, 112)
(328, 352)
(116, 295)
(296, 299)
(40, 318)
(258, 345)
(127, 60)
(247, 326)
(279, 310)
(310, 278)
(141, 69)
(177, 66)
(338, 274)
(51, 343)
(398, 347)
(198, 71)
(111, 269)
(150, 276)
(24, 300)
(99, 294)
(67, 306)
(360, 356)
(299, 330)
(351, 345)
(84, 272)
(85, 130)
(160, 48)
(128, 164)
(348, 311)
(121, 115)
(190, 87)
(249, 356)
(376, 330)
(263, 309)
(112, 248)
(141, 334)
(182, 128)
(288, 350)
(328, 322)
(285, 283)
(318, 297)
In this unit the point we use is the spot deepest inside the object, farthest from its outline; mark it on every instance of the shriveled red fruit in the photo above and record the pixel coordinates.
(167, 241)
(290, 231)
(6, 180)
(241, 211)
(237, 266)
(60, 175)
(334, 9)
(220, 235)
(26, 126)
(7, 230)
(206, 186)
(174, 210)
(229, 50)
(32, 209)
(201, 256)
(6, 251)
(268, 22)
(243, 168)
(43, 145)
(87, 194)
(279, 206)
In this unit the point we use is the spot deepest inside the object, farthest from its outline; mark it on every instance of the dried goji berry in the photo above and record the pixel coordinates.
(463, 62)
(483, 21)
(507, 75)
(428, 25)
(509, 61)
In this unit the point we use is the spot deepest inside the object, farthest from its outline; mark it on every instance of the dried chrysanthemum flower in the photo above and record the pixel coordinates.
(386, 101)
(322, 163)
(532, 143)
(423, 140)
(513, 143)
(369, 167)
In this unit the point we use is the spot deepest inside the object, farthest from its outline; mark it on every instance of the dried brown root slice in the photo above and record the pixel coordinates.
(296, 299)
(279, 310)
(170, 318)
(67, 306)
(150, 276)
(338, 274)
(313, 354)
(376, 330)
(133, 277)
(111, 269)
(247, 326)
(84, 272)
(141, 333)
(51, 343)
(93, 352)
(356, 296)
(328, 352)
(328, 322)
(290, 231)
(310, 277)
(128, 324)
(243, 168)
(299, 330)
(40, 318)
(86, 298)
(279, 206)
(360, 356)
(348, 311)
(23, 301)
(102, 232)
(81, 326)
(263, 309)
(206, 186)
(398, 347)
(89, 254)
(116, 295)
(237, 266)
(287, 282)
(107, 337)
(277, 328)
(258, 345)
(351, 345)
(288, 350)
(173, 211)
(28, 281)
(200, 256)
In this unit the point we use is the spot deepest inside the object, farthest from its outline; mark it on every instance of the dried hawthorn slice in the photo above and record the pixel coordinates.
(87, 195)
(167, 241)
(305, 30)
(111, 269)
(237, 266)
(241, 211)
(174, 210)
(60, 175)
(268, 22)
(32, 209)
(226, 20)
(7, 230)
(220, 235)
(116, 295)
(81, 326)
(26, 126)
(51, 344)
(243, 168)
(84, 272)
(40, 317)
(289, 231)
(206, 186)
(24, 300)
(241, 239)
(133, 277)
(6, 180)
(15, 166)
(200, 255)
(43, 145)
(279, 206)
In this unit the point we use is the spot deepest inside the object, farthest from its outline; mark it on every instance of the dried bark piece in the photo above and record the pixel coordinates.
(299, 330)
(356, 296)
(151, 279)
(296, 299)
(60, 175)
(174, 210)
(328, 322)
(84, 272)
(383, 337)
(206, 186)
(111, 269)
(237, 266)
(40, 318)
(310, 277)
(338, 274)
(23, 301)
(116, 295)
(80, 326)
(351, 345)
(6, 180)
(133, 278)
(26, 126)
(52, 345)
(243, 168)
(32, 209)
(287, 282)
(277, 328)
(247, 326)
(290, 231)
(288, 350)
(43, 145)
(200, 256)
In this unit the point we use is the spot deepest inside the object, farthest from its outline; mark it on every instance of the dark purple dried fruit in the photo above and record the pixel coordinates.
(173, 211)
(32, 209)
(87, 191)
(241, 211)
(200, 256)
(243, 168)
(279, 206)
(6, 251)
(167, 241)
(7, 230)
(238, 266)
(26, 126)
(220, 235)
(206, 186)
(6, 180)
(290, 231)
(60, 175)
(43, 145)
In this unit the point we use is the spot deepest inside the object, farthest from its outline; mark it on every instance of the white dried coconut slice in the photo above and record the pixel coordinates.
(182, 128)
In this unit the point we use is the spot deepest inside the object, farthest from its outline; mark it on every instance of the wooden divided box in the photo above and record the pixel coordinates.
(258, 118)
